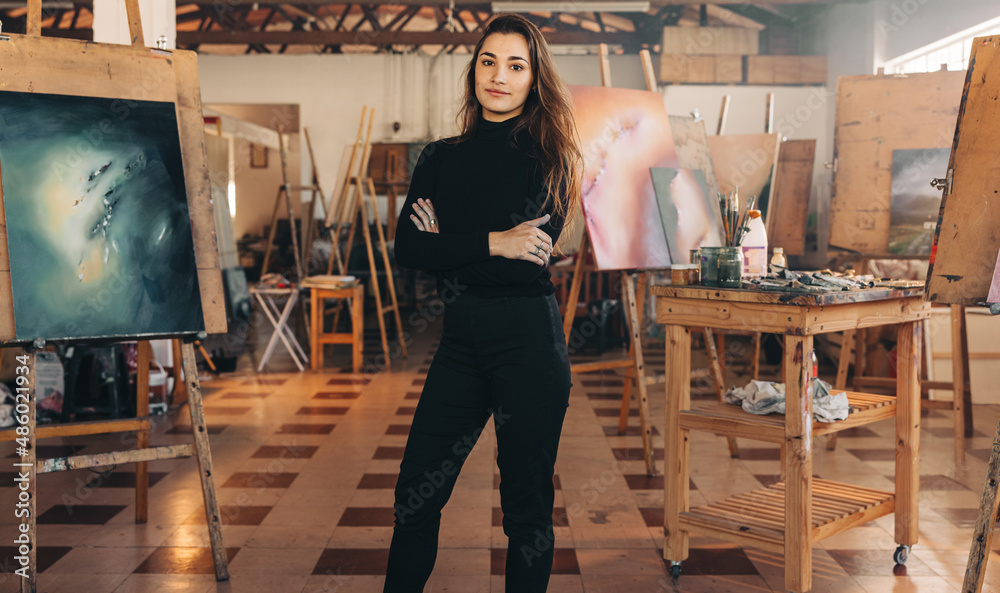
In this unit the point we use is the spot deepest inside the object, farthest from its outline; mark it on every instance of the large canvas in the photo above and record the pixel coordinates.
(914, 205)
(689, 222)
(624, 133)
(98, 229)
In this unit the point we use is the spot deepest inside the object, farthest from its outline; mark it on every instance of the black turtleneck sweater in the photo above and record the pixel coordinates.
(491, 182)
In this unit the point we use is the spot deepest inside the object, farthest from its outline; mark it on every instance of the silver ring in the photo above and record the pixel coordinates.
(538, 250)
(433, 221)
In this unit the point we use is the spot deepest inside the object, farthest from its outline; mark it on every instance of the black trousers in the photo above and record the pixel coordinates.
(504, 357)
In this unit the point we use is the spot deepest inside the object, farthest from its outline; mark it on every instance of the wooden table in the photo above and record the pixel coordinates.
(790, 516)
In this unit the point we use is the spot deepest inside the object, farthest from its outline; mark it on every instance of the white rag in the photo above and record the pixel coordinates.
(766, 397)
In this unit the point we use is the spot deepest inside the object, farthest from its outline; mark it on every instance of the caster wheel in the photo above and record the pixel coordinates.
(899, 556)
(675, 569)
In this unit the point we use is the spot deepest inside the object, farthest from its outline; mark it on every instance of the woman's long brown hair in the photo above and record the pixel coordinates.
(547, 115)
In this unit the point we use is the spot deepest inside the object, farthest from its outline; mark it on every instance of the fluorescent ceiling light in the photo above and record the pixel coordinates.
(570, 6)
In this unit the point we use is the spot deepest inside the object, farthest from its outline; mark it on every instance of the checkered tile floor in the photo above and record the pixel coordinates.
(305, 465)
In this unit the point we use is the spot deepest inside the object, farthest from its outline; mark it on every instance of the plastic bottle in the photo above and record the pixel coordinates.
(778, 259)
(754, 246)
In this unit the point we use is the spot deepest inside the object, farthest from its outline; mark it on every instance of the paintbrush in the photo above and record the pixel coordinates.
(751, 214)
(744, 224)
(724, 204)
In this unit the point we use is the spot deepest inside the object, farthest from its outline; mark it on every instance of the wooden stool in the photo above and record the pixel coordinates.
(356, 336)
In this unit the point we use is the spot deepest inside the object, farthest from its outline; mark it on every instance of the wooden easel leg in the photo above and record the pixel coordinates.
(179, 393)
(389, 279)
(860, 355)
(207, 472)
(720, 382)
(271, 232)
(676, 442)
(959, 354)
(204, 354)
(358, 329)
(982, 537)
(907, 477)
(574, 290)
(640, 373)
(289, 208)
(798, 465)
(640, 301)
(366, 231)
(28, 464)
(142, 436)
(720, 338)
(840, 384)
(755, 357)
(309, 224)
(967, 392)
(316, 320)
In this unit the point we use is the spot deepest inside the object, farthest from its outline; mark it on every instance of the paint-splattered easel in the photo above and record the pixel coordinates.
(70, 67)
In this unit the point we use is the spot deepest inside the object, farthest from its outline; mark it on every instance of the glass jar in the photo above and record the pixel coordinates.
(684, 274)
(710, 266)
(730, 265)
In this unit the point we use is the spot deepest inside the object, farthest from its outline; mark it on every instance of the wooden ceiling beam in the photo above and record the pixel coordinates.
(188, 38)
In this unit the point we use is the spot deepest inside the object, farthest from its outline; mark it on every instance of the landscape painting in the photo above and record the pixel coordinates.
(914, 204)
(98, 228)
(623, 134)
(686, 213)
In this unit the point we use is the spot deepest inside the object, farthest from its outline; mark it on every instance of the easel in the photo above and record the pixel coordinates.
(960, 385)
(959, 260)
(316, 194)
(633, 308)
(284, 193)
(352, 204)
(78, 73)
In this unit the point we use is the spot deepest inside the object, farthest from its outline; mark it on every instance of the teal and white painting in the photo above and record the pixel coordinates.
(98, 229)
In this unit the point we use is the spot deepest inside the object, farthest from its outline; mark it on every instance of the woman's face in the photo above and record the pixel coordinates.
(503, 76)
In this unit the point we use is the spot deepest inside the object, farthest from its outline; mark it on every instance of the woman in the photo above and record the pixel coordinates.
(484, 211)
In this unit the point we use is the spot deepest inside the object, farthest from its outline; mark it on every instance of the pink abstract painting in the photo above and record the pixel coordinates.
(623, 134)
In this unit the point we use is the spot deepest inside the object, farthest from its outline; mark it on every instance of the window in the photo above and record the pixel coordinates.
(953, 50)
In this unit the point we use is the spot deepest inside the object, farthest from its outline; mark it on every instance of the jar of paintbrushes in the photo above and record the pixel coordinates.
(736, 225)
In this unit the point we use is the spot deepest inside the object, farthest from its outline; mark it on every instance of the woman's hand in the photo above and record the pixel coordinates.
(426, 218)
(525, 241)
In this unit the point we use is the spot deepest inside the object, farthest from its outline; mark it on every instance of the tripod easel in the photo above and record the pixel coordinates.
(96, 69)
(284, 193)
(352, 205)
(316, 195)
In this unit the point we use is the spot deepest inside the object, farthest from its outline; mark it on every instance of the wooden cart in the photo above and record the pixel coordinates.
(790, 516)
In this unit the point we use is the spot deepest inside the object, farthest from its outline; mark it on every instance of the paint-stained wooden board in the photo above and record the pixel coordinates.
(968, 233)
(875, 116)
(68, 67)
(788, 211)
